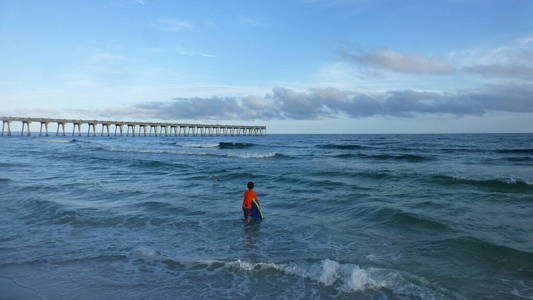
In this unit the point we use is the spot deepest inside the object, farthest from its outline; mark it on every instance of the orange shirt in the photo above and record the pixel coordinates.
(248, 196)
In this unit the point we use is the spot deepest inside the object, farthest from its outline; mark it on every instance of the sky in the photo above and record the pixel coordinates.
(296, 66)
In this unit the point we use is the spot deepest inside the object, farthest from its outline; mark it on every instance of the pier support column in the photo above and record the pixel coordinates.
(132, 126)
(93, 126)
(106, 126)
(26, 124)
(141, 129)
(62, 126)
(4, 123)
(155, 130)
(45, 128)
(119, 127)
(74, 129)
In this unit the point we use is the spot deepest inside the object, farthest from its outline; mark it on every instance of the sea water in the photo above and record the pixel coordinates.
(346, 217)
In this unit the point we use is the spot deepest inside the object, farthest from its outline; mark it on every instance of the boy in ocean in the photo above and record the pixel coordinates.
(249, 195)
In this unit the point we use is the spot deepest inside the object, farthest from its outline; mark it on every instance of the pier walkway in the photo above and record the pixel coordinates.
(131, 128)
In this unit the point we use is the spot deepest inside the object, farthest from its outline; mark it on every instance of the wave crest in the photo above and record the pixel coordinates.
(56, 141)
(399, 157)
(215, 145)
(220, 145)
(341, 146)
(194, 153)
(499, 185)
(346, 278)
(227, 145)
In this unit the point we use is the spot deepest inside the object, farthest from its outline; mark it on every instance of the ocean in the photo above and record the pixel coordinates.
(346, 217)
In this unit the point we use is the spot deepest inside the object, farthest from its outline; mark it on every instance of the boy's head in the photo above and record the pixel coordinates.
(250, 185)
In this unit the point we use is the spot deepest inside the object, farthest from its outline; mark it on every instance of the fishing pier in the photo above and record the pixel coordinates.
(126, 128)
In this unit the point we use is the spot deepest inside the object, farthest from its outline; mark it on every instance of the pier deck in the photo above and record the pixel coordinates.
(133, 128)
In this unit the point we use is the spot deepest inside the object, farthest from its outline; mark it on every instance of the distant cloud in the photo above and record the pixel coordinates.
(252, 22)
(398, 62)
(502, 70)
(170, 24)
(526, 40)
(186, 52)
(141, 2)
(508, 62)
(283, 103)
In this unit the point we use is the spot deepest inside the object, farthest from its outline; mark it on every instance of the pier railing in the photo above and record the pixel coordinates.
(132, 128)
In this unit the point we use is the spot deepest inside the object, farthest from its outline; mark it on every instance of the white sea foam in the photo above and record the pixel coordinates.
(198, 153)
(57, 141)
(346, 278)
(215, 145)
(252, 155)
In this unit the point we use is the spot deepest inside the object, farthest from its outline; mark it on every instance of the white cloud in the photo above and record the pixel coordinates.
(512, 62)
(170, 24)
(526, 40)
(399, 62)
(252, 22)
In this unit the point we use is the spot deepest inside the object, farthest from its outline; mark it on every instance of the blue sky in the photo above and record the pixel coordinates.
(309, 66)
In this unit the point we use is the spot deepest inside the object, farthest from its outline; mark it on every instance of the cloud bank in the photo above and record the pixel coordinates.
(283, 103)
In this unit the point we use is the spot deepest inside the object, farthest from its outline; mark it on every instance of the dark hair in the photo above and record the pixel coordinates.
(250, 185)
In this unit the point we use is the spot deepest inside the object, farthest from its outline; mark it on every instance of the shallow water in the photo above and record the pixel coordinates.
(347, 216)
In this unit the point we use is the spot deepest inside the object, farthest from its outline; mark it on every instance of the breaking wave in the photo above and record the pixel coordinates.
(194, 153)
(215, 145)
(54, 141)
(346, 278)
